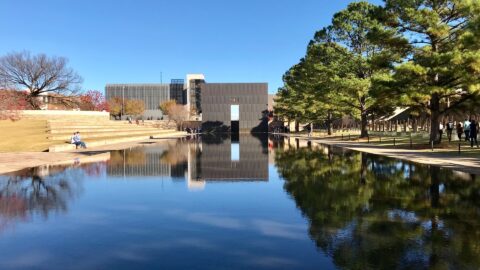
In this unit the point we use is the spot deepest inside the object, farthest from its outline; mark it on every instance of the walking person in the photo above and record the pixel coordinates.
(459, 131)
(450, 127)
(473, 133)
(440, 131)
(466, 129)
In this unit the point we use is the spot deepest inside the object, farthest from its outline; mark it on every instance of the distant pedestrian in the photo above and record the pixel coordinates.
(440, 131)
(466, 129)
(450, 127)
(459, 131)
(473, 133)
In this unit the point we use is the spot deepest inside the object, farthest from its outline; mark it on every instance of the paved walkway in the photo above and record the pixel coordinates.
(444, 158)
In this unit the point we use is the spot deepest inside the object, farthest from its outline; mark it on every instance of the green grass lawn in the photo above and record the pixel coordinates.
(417, 141)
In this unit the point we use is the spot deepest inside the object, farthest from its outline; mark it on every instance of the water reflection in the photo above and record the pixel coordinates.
(50, 189)
(41, 191)
(367, 211)
(197, 160)
(231, 160)
(345, 210)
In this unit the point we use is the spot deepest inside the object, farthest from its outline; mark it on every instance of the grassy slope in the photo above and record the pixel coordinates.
(31, 136)
(23, 135)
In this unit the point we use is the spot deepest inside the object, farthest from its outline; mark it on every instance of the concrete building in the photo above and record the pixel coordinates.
(151, 94)
(221, 107)
(236, 107)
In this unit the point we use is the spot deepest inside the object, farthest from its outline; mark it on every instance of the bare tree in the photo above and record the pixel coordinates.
(39, 74)
(167, 106)
(179, 114)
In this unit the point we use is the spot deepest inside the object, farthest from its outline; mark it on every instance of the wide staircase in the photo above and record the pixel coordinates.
(98, 133)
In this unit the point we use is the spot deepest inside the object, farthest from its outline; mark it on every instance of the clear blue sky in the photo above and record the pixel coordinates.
(115, 41)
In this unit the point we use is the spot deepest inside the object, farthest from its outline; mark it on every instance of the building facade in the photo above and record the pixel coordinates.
(151, 94)
(235, 107)
(223, 107)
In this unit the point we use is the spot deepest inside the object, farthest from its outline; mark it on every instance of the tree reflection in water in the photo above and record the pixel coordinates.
(41, 191)
(368, 211)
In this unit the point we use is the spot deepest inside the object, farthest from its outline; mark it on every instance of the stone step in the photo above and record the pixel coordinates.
(106, 124)
(101, 142)
(123, 122)
(88, 124)
(99, 129)
(96, 125)
(107, 134)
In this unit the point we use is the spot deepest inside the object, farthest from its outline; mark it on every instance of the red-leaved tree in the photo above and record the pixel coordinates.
(93, 100)
(12, 103)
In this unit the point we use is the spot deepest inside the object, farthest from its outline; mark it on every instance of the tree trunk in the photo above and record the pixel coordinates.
(32, 100)
(363, 169)
(435, 119)
(373, 122)
(297, 125)
(364, 125)
(434, 187)
(329, 123)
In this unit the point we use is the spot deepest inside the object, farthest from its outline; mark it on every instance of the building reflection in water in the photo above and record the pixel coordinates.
(233, 159)
(146, 161)
(195, 160)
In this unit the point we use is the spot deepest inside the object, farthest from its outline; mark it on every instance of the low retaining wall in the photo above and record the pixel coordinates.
(67, 146)
(64, 115)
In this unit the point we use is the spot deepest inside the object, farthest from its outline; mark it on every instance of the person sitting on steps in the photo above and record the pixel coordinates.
(77, 140)
(72, 140)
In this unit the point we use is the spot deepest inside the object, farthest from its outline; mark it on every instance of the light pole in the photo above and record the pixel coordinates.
(123, 101)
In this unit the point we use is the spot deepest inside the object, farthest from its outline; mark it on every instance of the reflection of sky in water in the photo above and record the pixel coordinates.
(142, 215)
(235, 151)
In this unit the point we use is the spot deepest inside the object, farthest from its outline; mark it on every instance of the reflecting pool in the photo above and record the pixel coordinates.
(239, 203)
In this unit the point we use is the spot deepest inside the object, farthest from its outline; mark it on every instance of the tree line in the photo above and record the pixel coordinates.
(424, 55)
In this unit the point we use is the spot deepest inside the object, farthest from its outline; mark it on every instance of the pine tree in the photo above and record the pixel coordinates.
(442, 70)
(357, 29)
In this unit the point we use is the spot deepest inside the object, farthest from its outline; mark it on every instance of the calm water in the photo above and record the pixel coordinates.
(252, 203)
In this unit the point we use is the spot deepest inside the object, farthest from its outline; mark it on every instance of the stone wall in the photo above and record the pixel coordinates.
(64, 115)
